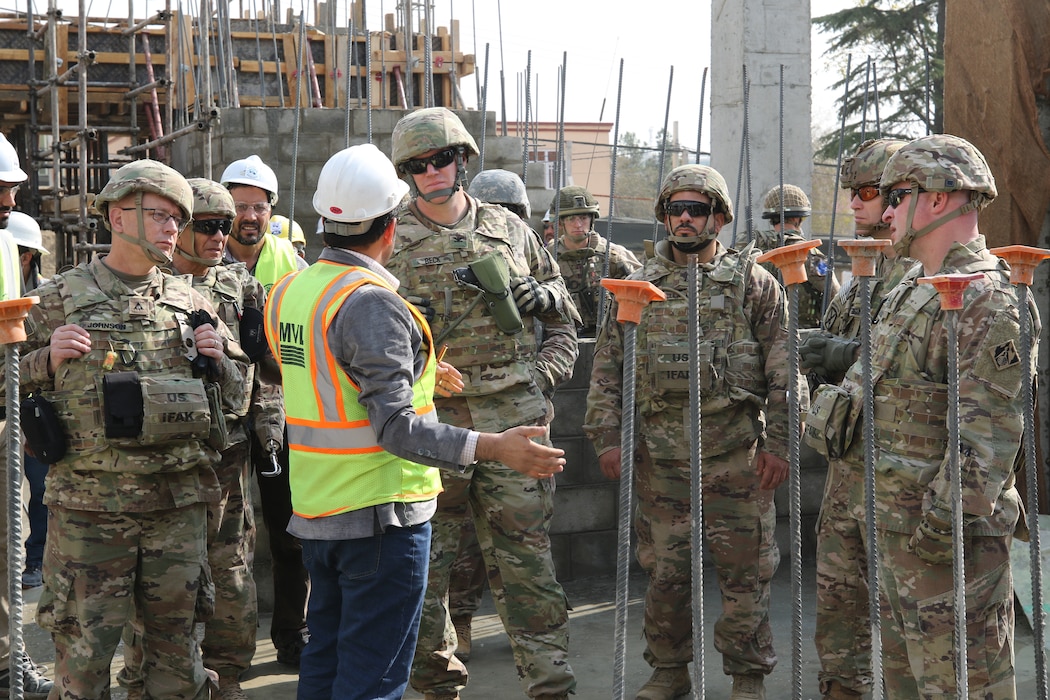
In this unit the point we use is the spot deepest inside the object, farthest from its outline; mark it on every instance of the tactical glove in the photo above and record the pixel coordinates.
(530, 296)
(830, 352)
(932, 541)
(422, 306)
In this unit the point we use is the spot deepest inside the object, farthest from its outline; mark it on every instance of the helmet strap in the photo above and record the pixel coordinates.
(155, 254)
(447, 192)
(903, 246)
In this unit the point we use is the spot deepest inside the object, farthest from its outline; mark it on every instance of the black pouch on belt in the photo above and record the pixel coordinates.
(44, 433)
(122, 396)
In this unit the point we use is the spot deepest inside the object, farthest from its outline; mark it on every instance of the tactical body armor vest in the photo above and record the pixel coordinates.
(732, 377)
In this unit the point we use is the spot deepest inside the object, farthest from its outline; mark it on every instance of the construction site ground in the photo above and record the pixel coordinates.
(592, 645)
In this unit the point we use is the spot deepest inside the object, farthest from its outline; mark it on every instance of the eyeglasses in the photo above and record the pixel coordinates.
(9, 190)
(577, 218)
(418, 166)
(259, 208)
(695, 209)
(209, 227)
(866, 193)
(161, 217)
(895, 197)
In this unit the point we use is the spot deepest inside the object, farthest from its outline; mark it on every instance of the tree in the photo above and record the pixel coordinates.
(638, 175)
(905, 43)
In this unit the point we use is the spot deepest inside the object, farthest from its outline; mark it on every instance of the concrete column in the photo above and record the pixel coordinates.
(761, 34)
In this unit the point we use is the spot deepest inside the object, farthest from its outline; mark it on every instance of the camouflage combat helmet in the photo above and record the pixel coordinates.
(796, 203)
(428, 129)
(866, 165)
(209, 197)
(504, 188)
(139, 177)
(576, 200)
(698, 178)
(938, 163)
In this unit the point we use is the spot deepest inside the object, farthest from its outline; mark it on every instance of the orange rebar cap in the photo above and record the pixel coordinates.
(1023, 260)
(631, 297)
(790, 260)
(12, 315)
(864, 253)
(951, 287)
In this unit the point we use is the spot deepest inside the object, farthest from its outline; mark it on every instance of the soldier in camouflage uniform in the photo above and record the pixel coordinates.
(796, 208)
(745, 423)
(581, 253)
(229, 638)
(935, 187)
(843, 630)
(112, 345)
(444, 236)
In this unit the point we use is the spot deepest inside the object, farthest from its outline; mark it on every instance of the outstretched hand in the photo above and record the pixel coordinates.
(515, 448)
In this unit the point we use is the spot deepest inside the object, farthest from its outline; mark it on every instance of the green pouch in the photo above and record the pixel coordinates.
(218, 434)
(492, 276)
(828, 427)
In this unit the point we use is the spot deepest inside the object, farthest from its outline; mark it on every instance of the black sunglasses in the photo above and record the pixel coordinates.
(866, 193)
(418, 166)
(695, 209)
(209, 227)
(895, 197)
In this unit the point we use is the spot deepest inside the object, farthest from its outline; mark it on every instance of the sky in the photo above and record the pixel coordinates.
(650, 36)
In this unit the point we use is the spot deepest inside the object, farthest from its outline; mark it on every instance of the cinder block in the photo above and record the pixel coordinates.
(584, 508)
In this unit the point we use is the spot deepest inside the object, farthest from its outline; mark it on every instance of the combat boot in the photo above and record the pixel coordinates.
(748, 687)
(228, 688)
(666, 684)
(462, 626)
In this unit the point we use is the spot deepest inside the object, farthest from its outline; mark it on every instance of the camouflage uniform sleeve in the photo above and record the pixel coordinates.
(622, 263)
(991, 409)
(233, 368)
(765, 306)
(602, 420)
(43, 318)
(557, 355)
(267, 400)
(548, 274)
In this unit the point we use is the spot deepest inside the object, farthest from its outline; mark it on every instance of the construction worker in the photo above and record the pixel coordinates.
(744, 438)
(34, 684)
(796, 208)
(843, 629)
(253, 185)
(25, 232)
(229, 635)
(934, 189)
(132, 361)
(581, 253)
(455, 252)
(279, 227)
(341, 326)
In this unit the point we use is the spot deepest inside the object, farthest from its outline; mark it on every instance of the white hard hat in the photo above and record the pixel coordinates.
(356, 186)
(10, 170)
(251, 171)
(26, 231)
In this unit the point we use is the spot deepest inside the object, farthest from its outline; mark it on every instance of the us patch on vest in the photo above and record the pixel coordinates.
(1005, 355)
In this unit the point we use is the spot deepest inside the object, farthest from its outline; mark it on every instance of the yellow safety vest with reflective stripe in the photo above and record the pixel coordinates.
(335, 462)
(276, 259)
(10, 267)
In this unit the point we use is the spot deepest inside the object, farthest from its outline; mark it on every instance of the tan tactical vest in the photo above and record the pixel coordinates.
(476, 345)
(732, 374)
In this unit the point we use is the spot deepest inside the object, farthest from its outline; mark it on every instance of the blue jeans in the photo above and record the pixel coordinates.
(366, 596)
(35, 471)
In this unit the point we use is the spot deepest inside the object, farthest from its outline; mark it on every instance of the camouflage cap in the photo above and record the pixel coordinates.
(209, 197)
(866, 165)
(941, 163)
(145, 176)
(697, 178)
(796, 203)
(500, 187)
(427, 130)
(576, 200)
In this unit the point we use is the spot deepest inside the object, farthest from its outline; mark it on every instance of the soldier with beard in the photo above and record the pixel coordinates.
(744, 383)
(253, 185)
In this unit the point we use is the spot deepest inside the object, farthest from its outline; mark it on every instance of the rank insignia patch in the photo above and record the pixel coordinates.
(1005, 355)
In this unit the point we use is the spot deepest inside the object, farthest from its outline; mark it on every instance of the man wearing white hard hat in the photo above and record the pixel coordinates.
(363, 496)
(253, 185)
(25, 232)
(11, 178)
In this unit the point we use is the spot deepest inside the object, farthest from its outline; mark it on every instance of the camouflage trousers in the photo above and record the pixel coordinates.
(918, 622)
(512, 515)
(843, 630)
(229, 633)
(467, 577)
(97, 567)
(739, 522)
